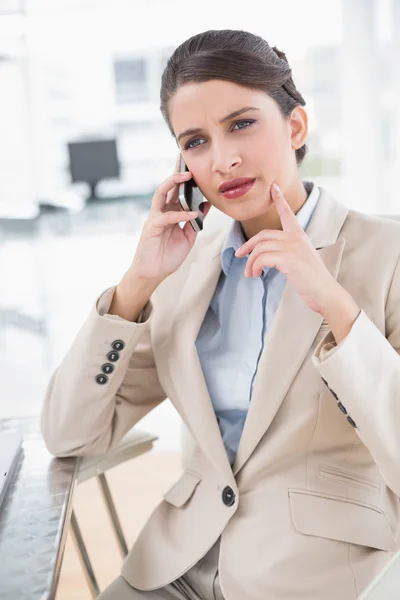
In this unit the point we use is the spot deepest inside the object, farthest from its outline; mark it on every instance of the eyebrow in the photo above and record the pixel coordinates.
(231, 115)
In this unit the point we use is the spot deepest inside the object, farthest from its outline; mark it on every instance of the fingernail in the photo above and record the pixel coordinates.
(276, 187)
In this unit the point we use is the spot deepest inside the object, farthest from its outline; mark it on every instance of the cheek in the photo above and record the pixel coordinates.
(270, 159)
(277, 158)
(271, 146)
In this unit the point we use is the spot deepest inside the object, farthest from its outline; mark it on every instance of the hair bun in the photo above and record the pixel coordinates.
(280, 54)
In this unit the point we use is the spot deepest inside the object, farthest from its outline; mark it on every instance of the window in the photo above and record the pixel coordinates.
(9, 7)
(131, 80)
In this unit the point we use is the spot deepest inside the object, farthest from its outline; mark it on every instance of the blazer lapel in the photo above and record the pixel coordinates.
(185, 366)
(292, 333)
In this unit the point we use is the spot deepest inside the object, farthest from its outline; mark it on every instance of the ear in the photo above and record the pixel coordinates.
(298, 121)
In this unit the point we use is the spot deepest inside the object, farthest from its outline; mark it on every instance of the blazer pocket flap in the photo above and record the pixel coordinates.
(341, 519)
(183, 489)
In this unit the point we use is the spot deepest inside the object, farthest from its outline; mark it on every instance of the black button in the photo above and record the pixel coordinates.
(342, 408)
(118, 345)
(107, 368)
(101, 379)
(350, 420)
(228, 496)
(113, 356)
(331, 391)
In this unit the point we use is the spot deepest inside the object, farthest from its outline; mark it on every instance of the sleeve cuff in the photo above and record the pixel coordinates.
(328, 346)
(103, 304)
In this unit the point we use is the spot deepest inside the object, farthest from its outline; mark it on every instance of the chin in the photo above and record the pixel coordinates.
(245, 211)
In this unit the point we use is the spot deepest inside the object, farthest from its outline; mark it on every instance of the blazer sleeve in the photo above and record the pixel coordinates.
(82, 416)
(363, 374)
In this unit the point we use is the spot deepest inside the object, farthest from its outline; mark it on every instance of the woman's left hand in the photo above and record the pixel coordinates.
(292, 253)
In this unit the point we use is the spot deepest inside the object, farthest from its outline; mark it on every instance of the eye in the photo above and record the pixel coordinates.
(243, 124)
(193, 143)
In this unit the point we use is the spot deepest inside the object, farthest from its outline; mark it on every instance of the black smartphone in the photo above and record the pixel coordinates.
(191, 198)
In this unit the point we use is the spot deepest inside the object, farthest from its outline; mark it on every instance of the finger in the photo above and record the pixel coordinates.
(172, 218)
(161, 191)
(262, 236)
(173, 207)
(172, 195)
(288, 218)
(190, 233)
(177, 163)
(262, 249)
(269, 260)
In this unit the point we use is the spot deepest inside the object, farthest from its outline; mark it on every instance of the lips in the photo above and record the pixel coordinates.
(235, 183)
(232, 193)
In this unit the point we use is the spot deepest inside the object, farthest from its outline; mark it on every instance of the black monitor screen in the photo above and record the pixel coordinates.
(92, 161)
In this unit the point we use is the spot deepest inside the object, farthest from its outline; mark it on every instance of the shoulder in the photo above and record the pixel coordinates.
(375, 224)
(374, 235)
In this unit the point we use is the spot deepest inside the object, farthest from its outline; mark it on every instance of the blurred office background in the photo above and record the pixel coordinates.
(79, 80)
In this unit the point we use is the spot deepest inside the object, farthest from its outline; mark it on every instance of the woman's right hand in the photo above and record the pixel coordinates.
(163, 244)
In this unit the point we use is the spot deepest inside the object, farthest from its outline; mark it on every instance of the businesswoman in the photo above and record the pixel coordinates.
(276, 338)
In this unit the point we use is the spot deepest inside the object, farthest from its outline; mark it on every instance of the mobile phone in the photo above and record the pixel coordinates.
(190, 198)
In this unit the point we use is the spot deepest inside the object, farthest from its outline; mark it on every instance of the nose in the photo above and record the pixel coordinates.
(224, 160)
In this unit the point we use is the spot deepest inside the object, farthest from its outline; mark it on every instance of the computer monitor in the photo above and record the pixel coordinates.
(93, 160)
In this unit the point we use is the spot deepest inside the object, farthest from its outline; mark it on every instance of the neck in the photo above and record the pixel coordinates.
(295, 196)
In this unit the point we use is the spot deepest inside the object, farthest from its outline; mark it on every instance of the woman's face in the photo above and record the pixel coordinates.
(255, 144)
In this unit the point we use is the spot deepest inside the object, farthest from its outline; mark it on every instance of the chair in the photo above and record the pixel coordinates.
(133, 444)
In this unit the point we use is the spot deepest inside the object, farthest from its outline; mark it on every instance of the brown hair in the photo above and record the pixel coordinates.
(237, 56)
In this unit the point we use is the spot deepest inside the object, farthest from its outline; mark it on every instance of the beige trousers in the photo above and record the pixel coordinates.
(201, 582)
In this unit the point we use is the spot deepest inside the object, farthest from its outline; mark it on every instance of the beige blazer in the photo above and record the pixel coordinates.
(310, 509)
